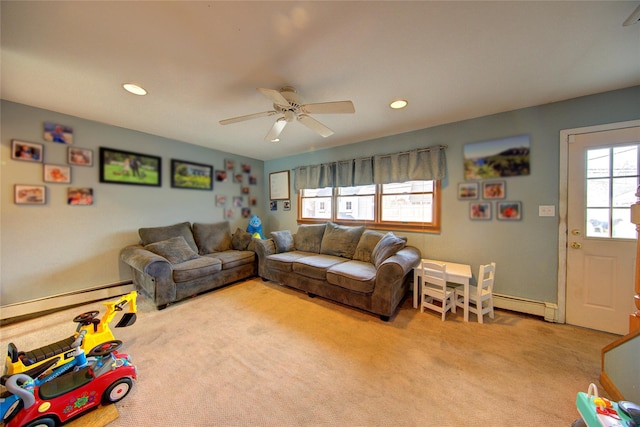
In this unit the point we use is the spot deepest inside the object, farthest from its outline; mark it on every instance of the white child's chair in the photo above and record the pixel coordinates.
(480, 296)
(434, 288)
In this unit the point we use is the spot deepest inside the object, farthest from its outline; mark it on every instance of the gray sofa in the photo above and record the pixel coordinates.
(361, 268)
(178, 261)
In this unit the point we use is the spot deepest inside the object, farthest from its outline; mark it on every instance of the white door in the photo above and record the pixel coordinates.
(603, 179)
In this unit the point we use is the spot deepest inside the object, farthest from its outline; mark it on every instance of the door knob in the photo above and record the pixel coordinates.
(576, 245)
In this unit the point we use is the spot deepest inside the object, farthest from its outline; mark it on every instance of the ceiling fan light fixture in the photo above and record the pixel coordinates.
(134, 89)
(398, 104)
(275, 140)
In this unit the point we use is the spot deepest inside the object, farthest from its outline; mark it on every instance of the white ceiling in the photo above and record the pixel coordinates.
(202, 62)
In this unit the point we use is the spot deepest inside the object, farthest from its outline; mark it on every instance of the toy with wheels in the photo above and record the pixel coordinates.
(601, 412)
(107, 379)
(34, 362)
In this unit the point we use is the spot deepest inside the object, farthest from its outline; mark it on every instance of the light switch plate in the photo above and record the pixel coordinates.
(546, 210)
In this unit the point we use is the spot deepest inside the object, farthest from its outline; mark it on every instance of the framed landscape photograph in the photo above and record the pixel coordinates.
(480, 211)
(27, 151)
(497, 158)
(191, 175)
(494, 190)
(509, 211)
(30, 194)
(279, 185)
(467, 190)
(127, 167)
(57, 173)
(80, 156)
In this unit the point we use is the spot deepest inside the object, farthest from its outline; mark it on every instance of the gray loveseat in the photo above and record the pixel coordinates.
(350, 265)
(178, 261)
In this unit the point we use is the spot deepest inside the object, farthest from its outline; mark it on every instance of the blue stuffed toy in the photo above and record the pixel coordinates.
(255, 227)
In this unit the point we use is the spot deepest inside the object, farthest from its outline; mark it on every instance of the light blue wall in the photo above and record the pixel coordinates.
(47, 250)
(526, 251)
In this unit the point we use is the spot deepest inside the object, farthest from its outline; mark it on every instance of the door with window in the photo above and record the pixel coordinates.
(603, 179)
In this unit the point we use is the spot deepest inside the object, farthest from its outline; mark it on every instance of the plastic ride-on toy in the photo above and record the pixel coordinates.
(35, 362)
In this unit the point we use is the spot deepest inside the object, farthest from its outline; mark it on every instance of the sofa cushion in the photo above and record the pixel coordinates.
(340, 240)
(283, 241)
(308, 238)
(315, 266)
(157, 234)
(366, 244)
(214, 237)
(387, 246)
(175, 250)
(196, 268)
(240, 239)
(233, 258)
(356, 276)
(284, 261)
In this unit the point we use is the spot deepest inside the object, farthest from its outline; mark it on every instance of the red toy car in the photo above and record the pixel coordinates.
(56, 401)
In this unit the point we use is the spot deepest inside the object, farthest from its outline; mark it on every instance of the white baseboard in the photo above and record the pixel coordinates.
(522, 305)
(65, 300)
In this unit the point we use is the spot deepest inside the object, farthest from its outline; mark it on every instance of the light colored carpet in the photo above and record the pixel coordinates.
(259, 354)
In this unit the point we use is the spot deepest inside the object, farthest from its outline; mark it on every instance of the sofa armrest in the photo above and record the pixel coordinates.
(391, 277)
(263, 248)
(145, 261)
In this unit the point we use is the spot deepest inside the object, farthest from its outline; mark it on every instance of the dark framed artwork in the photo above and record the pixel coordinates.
(509, 211)
(279, 185)
(27, 151)
(195, 176)
(480, 211)
(30, 194)
(494, 190)
(127, 167)
(468, 190)
(80, 156)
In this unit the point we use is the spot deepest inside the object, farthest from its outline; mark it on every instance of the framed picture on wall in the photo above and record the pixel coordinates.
(468, 190)
(279, 185)
(480, 211)
(494, 190)
(80, 196)
(57, 173)
(127, 167)
(509, 211)
(190, 175)
(80, 156)
(27, 151)
(30, 194)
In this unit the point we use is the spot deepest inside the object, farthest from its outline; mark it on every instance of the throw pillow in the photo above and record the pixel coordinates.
(387, 246)
(283, 240)
(308, 238)
(367, 243)
(157, 234)
(212, 237)
(241, 239)
(340, 240)
(175, 250)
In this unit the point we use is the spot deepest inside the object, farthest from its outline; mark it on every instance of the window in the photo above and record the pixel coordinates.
(411, 205)
(612, 180)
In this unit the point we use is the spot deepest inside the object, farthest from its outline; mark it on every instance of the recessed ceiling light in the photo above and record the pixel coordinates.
(398, 103)
(134, 89)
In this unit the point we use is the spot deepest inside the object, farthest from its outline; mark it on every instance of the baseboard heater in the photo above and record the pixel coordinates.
(522, 305)
(65, 300)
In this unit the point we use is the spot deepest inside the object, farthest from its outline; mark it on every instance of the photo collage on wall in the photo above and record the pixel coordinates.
(36, 194)
(244, 201)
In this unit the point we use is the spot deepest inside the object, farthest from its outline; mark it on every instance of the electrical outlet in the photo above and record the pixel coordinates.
(546, 210)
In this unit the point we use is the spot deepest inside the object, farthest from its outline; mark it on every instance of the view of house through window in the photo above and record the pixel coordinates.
(612, 182)
(406, 205)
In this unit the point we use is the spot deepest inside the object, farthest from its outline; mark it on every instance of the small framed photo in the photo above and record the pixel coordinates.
(54, 132)
(494, 190)
(246, 212)
(57, 173)
(509, 211)
(480, 211)
(238, 201)
(80, 156)
(190, 175)
(80, 196)
(229, 164)
(27, 151)
(253, 201)
(467, 190)
(221, 200)
(238, 178)
(221, 175)
(246, 168)
(286, 205)
(273, 205)
(30, 194)
(229, 213)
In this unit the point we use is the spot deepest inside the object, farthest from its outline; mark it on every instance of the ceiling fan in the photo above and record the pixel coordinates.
(288, 103)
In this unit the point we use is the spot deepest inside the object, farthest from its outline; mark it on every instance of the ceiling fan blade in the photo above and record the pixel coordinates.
(275, 96)
(338, 107)
(247, 117)
(315, 125)
(275, 130)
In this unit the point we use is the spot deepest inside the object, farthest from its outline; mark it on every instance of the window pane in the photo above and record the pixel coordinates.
(408, 187)
(623, 228)
(597, 193)
(597, 163)
(624, 192)
(407, 208)
(598, 223)
(356, 207)
(316, 192)
(317, 207)
(625, 161)
(362, 189)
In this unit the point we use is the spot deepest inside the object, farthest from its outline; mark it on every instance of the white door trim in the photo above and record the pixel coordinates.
(566, 136)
